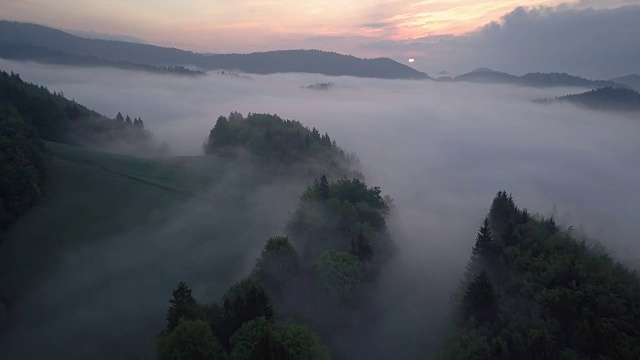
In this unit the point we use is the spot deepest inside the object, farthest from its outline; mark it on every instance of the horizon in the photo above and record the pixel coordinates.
(440, 36)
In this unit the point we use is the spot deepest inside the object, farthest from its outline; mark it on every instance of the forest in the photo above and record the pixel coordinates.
(532, 289)
(30, 115)
(605, 99)
(277, 141)
(61, 120)
(314, 280)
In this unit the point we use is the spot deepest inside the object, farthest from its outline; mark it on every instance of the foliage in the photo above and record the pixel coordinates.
(255, 340)
(278, 264)
(183, 306)
(542, 294)
(244, 301)
(341, 274)
(607, 98)
(332, 216)
(190, 340)
(269, 136)
(23, 166)
(59, 119)
(261, 339)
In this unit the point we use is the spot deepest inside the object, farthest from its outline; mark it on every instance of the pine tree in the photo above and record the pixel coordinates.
(509, 235)
(480, 299)
(483, 252)
(128, 121)
(183, 306)
(323, 188)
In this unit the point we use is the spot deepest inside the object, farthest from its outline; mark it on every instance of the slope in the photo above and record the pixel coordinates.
(306, 61)
(111, 225)
(483, 75)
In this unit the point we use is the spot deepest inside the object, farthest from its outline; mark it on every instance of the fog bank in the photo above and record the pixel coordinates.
(441, 150)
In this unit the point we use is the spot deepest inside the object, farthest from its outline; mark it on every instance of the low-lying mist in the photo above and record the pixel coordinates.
(440, 150)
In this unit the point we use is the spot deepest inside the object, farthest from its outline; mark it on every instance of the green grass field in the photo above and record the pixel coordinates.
(114, 234)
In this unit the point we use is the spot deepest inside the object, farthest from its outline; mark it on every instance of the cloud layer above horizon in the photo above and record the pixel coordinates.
(586, 37)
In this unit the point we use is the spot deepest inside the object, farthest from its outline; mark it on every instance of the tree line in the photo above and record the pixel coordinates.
(271, 137)
(534, 291)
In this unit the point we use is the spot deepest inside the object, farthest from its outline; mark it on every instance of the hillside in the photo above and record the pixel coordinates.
(59, 119)
(632, 81)
(26, 52)
(483, 75)
(111, 224)
(305, 61)
(604, 99)
(535, 291)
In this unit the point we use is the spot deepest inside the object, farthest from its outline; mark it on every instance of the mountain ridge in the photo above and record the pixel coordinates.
(270, 62)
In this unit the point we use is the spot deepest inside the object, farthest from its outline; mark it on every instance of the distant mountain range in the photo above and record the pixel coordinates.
(65, 45)
(485, 75)
(25, 52)
(606, 99)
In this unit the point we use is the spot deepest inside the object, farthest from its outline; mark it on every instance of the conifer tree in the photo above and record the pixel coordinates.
(480, 299)
(183, 306)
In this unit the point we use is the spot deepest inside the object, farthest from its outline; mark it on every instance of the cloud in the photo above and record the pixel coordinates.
(582, 40)
(441, 150)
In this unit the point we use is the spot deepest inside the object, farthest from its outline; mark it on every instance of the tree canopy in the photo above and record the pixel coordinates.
(537, 292)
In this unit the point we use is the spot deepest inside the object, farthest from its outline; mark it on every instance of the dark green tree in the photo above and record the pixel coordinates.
(278, 264)
(324, 192)
(182, 306)
(483, 252)
(480, 299)
(361, 248)
(244, 301)
(191, 339)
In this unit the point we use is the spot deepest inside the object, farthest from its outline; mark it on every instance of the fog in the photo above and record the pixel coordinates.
(440, 150)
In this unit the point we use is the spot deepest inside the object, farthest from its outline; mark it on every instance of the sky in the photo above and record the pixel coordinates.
(592, 38)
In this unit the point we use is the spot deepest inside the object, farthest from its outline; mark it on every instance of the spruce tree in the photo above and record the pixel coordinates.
(183, 306)
(323, 188)
(483, 252)
(480, 299)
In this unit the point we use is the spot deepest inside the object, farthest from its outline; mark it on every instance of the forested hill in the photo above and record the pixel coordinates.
(606, 99)
(277, 141)
(534, 291)
(30, 114)
(531, 79)
(61, 120)
(27, 52)
(304, 61)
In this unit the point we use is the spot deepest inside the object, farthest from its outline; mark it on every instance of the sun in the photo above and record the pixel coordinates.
(412, 60)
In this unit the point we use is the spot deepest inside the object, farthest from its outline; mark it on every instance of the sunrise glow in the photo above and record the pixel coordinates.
(246, 25)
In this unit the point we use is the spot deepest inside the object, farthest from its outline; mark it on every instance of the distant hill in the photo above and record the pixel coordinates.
(607, 99)
(305, 61)
(629, 80)
(484, 75)
(481, 70)
(26, 52)
(490, 76)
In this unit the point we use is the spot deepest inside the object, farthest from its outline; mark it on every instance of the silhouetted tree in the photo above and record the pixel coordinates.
(183, 306)
(480, 299)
